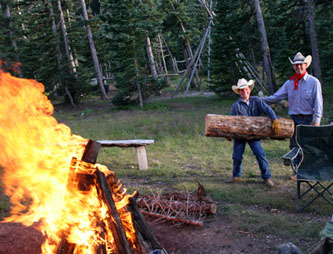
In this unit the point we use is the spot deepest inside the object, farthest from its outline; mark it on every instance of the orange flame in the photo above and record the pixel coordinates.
(36, 157)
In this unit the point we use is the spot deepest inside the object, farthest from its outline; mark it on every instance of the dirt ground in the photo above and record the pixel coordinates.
(217, 236)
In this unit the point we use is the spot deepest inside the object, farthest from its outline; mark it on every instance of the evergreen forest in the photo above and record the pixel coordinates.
(138, 46)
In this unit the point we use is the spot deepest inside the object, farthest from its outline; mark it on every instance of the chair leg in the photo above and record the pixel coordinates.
(320, 193)
(298, 194)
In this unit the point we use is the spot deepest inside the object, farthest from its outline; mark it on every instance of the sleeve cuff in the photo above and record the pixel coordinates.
(317, 119)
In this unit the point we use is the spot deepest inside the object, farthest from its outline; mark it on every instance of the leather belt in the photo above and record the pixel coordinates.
(301, 116)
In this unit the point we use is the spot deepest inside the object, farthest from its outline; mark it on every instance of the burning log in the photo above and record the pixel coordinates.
(118, 231)
(84, 176)
(246, 127)
(147, 236)
(81, 181)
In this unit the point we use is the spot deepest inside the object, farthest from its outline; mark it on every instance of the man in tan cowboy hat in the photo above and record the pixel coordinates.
(304, 95)
(248, 105)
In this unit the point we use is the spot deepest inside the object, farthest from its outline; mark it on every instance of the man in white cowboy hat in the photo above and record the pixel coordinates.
(304, 95)
(248, 105)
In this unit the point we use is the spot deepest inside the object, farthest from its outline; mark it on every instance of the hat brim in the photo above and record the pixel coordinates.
(250, 84)
(307, 61)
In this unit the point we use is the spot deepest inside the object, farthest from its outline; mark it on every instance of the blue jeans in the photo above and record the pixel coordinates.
(258, 151)
(299, 120)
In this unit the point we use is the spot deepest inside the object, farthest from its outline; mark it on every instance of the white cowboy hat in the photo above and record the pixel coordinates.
(241, 84)
(299, 59)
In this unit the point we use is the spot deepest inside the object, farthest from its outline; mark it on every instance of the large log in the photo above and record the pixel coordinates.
(246, 127)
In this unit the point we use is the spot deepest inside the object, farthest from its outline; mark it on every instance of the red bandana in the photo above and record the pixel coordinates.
(297, 78)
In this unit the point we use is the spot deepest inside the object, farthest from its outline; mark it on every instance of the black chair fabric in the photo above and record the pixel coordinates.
(316, 144)
(312, 162)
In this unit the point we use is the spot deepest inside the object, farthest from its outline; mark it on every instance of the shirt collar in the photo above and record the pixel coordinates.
(246, 102)
(306, 76)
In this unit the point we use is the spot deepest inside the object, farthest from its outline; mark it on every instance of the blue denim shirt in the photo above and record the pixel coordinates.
(306, 100)
(256, 107)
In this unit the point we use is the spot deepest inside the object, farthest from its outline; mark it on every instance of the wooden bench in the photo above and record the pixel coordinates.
(139, 144)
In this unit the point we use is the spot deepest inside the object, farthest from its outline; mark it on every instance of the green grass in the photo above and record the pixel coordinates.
(183, 155)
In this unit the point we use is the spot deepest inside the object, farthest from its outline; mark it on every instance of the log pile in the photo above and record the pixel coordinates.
(178, 207)
(84, 175)
(246, 127)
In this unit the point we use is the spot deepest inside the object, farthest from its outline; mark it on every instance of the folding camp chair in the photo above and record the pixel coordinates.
(312, 162)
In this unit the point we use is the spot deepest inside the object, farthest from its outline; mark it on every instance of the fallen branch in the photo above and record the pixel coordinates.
(174, 219)
(190, 206)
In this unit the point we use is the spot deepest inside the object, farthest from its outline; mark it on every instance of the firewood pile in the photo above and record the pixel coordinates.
(177, 207)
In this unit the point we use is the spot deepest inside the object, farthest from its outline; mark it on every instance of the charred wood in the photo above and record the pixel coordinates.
(141, 226)
(116, 225)
(91, 152)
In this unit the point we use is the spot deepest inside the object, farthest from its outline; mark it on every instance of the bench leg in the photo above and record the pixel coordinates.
(142, 157)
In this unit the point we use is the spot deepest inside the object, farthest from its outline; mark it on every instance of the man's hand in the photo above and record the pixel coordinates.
(276, 127)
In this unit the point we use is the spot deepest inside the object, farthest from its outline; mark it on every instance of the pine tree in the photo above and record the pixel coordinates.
(126, 24)
(232, 33)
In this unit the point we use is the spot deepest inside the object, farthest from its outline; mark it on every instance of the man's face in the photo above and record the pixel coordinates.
(245, 93)
(300, 68)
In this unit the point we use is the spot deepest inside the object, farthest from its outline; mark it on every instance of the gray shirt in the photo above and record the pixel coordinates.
(306, 100)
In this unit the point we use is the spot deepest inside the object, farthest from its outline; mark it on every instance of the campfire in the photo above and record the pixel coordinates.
(54, 182)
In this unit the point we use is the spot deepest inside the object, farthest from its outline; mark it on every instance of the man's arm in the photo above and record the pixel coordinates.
(266, 109)
(279, 95)
(318, 104)
(276, 128)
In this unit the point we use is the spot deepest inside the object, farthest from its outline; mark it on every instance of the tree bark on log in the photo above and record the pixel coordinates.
(246, 127)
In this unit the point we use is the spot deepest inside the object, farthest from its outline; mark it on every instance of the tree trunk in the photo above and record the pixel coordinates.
(98, 72)
(151, 57)
(138, 84)
(65, 38)
(246, 127)
(265, 48)
(163, 57)
(73, 54)
(188, 48)
(313, 39)
(208, 49)
(54, 32)
(6, 12)
(70, 62)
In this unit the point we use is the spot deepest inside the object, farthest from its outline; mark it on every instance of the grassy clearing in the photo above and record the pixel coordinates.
(182, 155)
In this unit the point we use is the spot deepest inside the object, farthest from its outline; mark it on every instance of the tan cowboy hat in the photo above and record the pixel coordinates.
(299, 58)
(241, 84)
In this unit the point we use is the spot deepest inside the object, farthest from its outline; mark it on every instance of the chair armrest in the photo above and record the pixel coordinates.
(288, 158)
